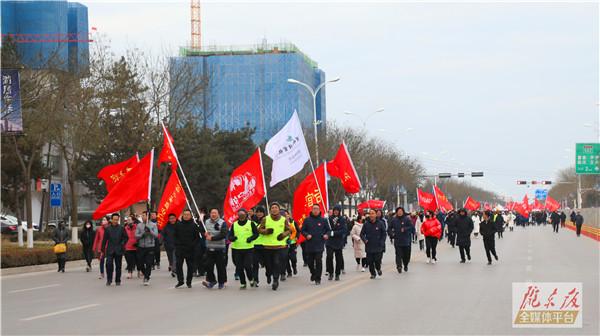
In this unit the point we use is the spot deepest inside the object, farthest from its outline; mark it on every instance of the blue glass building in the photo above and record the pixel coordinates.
(49, 33)
(247, 87)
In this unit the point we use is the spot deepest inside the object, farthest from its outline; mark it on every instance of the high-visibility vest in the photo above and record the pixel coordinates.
(278, 227)
(293, 233)
(242, 233)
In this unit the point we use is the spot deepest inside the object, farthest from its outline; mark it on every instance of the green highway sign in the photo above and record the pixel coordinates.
(587, 158)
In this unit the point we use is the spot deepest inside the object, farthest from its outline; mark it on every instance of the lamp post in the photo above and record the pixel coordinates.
(364, 120)
(314, 93)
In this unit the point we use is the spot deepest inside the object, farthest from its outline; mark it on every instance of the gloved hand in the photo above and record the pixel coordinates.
(232, 239)
(281, 236)
(269, 231)
(249, 240)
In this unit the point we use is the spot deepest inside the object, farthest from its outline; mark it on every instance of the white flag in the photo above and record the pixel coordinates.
(288, 150)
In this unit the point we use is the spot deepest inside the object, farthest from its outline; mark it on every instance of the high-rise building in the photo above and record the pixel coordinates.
(248, 87)
(48, 33)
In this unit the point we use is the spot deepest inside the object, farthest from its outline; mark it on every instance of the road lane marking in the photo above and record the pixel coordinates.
(529, 258)
(33, 288)
(528, 268)
(60, 312)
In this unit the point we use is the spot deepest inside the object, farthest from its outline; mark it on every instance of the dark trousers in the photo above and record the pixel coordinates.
(131, 259)
(88, 255)
(490, 247)
(361, 261)
(578, 229)
(188, 258)
(113, 264)
(145, 257)
(464, 249)
(216, 259)
(243, 264)
(171, 257)
(421, 242)
(156, 253)
(315, 265)
(402, 256)
(555, 227)
(257, 261)
(199, 259)
(304, 258)
(273, 259)
(102, 263)
(339, 261)
(61, 260)
(430, 247)
(500, 234)
(452, 238)
(292, 260)
(374, 262)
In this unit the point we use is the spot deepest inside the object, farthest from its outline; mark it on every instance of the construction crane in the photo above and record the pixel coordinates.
(196, 25)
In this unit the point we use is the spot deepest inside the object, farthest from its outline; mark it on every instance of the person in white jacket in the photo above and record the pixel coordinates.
(510, 220)
(476, 220)
(419, 235)
(358, 245)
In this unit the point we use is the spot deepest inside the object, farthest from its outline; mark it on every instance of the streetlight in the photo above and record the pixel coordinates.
(314, 93)
(364, 120)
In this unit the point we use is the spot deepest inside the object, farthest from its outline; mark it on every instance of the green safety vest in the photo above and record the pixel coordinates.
(278, 228)
(242, 232)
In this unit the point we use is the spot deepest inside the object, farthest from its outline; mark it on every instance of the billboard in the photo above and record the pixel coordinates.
(11, 117)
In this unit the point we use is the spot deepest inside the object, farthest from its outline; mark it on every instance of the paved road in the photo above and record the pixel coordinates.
(446, 298)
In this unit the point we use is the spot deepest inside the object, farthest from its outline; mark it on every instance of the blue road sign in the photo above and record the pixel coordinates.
(55, 195)
(541, 194)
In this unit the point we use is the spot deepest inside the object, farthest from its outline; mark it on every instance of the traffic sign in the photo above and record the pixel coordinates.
(55, 195)
(587, 158)
(541, 194)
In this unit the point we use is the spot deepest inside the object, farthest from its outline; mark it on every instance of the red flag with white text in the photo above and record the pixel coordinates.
(471, 204)
(173, 200)
(552, 204)
(133, 188)
(426, 200)
(521, 209)
(246, 187)
(307, 194)
(113, 173)
(342, 167)
(441, 199)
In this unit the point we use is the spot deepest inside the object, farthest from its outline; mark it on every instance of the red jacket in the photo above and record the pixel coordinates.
(98, 239)
(131, 241)
(432, 228)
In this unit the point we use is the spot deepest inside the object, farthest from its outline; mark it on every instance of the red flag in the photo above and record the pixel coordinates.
(112, 174)
(426, 200)
(522, 209)
(246, 187)
(552, 204)
(510, 205)
(525, 203)
(133, 188)
(371, 204)
(486, 206)
(168, 154)
(173, 200)
(537, 205)
(472, 204)
(307, 194)
(441, 200)
(342, 167)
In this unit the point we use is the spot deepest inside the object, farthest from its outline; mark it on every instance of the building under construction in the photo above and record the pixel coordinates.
(48, 33)
(246, 86)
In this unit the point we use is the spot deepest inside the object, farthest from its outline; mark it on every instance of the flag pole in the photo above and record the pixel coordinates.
(148, 209)
(183, 175)
(318, 186)
(262, 170)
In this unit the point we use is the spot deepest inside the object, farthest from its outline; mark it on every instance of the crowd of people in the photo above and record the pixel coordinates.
(269, 240)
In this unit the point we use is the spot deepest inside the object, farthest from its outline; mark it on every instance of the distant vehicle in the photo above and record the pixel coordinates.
(7, 225)
(10, 220)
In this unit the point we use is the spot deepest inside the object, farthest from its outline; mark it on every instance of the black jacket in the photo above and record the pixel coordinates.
(87, 237)
(187, 234)
(168, 235)
(451, 222)
(60, 235)
(554, 218)
(499, 222)
(338, 233)
(464, 227)
(373, 234)
(578, 220)
(114, 240)
(316, 227)
(487, 228)
(401, 230)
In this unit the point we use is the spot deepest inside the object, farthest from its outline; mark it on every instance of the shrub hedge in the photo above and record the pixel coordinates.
(14, 256)
(37, 236)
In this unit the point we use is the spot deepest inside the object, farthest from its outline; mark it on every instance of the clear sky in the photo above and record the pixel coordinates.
(505, 87)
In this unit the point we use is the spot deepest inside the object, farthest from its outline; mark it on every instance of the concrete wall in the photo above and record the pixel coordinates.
(591, 216)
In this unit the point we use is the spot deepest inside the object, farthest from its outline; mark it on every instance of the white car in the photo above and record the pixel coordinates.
(13, 221)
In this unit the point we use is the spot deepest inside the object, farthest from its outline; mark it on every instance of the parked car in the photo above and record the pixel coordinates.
(10, 220)
(7, 225)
